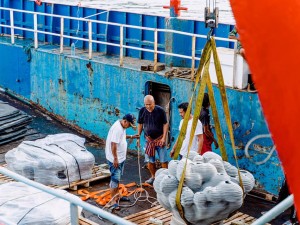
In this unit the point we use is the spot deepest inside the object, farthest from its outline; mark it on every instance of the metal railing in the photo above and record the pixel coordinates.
(74, 202)
(121, 45)
(275, 211)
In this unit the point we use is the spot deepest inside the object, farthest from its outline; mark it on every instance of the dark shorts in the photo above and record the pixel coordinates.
(115, 173)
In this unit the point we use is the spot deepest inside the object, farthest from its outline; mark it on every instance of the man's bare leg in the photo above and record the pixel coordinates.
(152, 169)
(164, 165)
(114, 193)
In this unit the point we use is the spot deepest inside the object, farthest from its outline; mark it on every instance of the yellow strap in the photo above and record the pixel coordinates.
(205, 62)
(216, 119)
(204, 59)
(225, 104)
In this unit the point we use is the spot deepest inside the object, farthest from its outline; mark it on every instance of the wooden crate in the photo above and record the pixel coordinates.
(99, 172)
(158, 212)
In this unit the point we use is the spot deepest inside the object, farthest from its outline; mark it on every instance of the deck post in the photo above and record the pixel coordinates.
(12, 29)
(155, 51)
(193, 56)
(90, 40)
(121, 46)
(62, 22)
(74, 214)
(35, 31)
(234, 64)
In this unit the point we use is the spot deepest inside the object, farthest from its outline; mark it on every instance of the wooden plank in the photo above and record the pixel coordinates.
(142, 212)
(164, 217)
(237, 219)
(145, 219)
(233, 217)
(249, 219)
(158, 212)
(148, 215)
(84, 221)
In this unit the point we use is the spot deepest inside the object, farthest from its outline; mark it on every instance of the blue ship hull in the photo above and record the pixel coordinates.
(94, 99)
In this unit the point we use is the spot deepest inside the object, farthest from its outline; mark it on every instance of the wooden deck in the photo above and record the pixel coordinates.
(99, 172)
(84, 221)
(158, 212)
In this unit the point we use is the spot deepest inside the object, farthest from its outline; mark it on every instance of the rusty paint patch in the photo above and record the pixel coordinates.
(117, 111)
(60, 81)
(235, 125)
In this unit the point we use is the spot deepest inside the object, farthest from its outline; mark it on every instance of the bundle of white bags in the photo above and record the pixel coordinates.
(54, 160)
(25, 205)
(211, 188)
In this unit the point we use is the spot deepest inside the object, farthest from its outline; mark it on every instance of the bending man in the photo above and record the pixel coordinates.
(115, 151)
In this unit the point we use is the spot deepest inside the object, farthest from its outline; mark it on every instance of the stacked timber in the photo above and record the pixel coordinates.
(210, 191)
(13, 123)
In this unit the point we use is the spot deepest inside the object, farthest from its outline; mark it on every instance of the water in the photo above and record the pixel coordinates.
(155, 7)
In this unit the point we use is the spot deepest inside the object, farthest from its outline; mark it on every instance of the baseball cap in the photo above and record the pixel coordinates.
(131, 119)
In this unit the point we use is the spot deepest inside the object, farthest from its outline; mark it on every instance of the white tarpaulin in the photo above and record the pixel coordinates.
(25, 205)
(55, 160)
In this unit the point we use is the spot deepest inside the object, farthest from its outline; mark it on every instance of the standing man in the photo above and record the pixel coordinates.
(197, 142)
(153, 120)
(208, 137)
(115, 151)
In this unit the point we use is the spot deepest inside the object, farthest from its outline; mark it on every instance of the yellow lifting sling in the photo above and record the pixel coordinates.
(209, 48)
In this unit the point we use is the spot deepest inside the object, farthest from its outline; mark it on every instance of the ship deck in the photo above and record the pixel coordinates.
(43, 124)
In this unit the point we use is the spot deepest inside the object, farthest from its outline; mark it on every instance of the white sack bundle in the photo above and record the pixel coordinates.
(54, 160)
(25, 205)
(210, 193)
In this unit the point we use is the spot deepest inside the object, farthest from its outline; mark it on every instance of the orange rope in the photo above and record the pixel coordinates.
(102, 197)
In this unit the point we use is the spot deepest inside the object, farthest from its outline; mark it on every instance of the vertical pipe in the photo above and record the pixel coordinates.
(62, 26)
(35, 31)
(74, 214)
(90, 40)
(155, 51)
(193, 56)
(121, 45)
(12, 29)
(234, 64)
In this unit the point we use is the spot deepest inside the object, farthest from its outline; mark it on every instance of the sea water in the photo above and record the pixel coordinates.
(155, 7)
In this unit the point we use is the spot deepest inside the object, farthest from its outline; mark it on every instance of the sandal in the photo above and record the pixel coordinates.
(125, 199)
(114, 207)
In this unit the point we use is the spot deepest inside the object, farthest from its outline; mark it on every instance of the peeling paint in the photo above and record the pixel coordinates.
(92, 103)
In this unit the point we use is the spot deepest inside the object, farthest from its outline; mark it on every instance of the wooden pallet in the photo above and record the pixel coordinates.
(84, 221)
(158, 212)
(99, 172)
